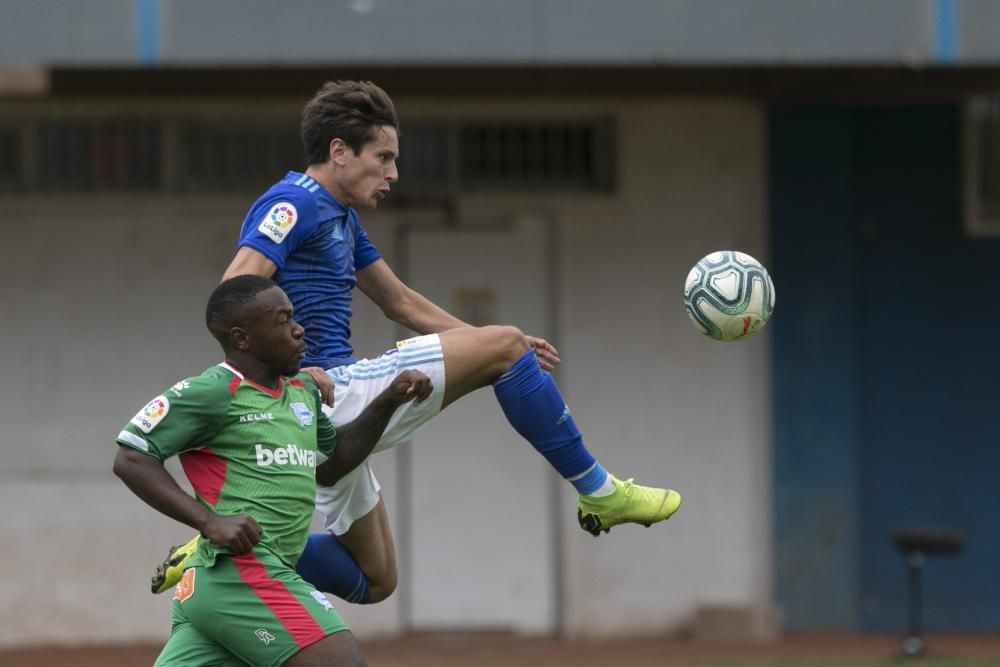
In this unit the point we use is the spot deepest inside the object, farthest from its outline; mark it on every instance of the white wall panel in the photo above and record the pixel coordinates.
(107, 311)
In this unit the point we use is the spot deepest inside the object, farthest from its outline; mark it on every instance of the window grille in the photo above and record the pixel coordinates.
(982, 166)
(521, 156)
(224, 158)
(11, 168)
(98, 155)
(115, 150)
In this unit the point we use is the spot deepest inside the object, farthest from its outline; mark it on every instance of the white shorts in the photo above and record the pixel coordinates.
(355, 385)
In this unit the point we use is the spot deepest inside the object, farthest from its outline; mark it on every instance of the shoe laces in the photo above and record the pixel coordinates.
(633, 490)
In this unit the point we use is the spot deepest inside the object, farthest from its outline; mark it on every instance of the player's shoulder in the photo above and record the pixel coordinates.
(195, 397)
(295, 194)
(304, 381)
(216, 382)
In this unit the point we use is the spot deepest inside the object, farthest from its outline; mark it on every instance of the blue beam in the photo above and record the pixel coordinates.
(147, 27)
(946, 32)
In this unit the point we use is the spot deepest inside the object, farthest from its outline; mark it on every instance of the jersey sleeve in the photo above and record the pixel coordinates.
(278, 223)
(326, 434)
(184, 417)
(365, 252)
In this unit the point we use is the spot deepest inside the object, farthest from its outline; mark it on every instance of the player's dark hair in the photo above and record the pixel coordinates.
(348, 110)
(230, 296)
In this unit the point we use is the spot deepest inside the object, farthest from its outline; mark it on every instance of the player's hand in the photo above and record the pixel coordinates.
(410, 385)
(323, 383)
(547, 354)
(237, 533)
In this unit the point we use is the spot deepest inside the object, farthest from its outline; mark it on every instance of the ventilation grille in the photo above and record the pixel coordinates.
(235, 159)
(982, 168)
(101, 155)
(109, 153)
(11, 172)
(537, 156)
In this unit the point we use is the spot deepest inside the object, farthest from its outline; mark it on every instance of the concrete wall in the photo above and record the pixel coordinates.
(109, 311)
(550, 32)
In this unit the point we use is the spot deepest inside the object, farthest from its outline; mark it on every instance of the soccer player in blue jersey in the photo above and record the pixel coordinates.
(305, 233)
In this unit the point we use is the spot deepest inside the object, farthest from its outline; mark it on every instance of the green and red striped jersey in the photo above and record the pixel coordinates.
(246, 449)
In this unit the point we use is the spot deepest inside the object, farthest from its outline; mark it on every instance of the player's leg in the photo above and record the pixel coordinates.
(369, 540)
(189, 647)
(339, 650)
(358, 565)
(356, 558)
(262, 612)
(532, 403)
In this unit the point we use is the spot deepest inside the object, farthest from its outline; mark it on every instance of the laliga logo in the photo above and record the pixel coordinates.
(278, 223)
(147, 418)
(155, 409)
(283, 216)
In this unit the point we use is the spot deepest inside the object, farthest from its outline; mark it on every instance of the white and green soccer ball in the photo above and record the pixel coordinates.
(728, 295)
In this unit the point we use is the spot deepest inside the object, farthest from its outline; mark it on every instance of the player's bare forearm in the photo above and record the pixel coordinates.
(403, 305)
(356, 440)
(420, 314)
(148, 479)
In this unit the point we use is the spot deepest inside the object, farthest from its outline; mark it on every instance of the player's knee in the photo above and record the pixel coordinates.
(509, 343)
(382, 582)
(382, 589)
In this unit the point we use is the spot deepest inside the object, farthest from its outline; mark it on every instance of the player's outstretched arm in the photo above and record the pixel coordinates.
(249, 262)
(356, 440)
(148, 479)
(403, 305)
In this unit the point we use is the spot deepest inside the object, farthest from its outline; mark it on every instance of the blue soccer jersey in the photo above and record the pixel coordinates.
(318, 246)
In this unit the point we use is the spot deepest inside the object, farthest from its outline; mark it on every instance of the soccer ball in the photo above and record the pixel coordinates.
(728, 295)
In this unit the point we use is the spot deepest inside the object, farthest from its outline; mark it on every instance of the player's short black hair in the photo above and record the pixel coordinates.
(230, 296)
(348, 110)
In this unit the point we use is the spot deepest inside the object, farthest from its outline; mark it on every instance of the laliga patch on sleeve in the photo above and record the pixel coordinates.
(278, 222)
(151, 415)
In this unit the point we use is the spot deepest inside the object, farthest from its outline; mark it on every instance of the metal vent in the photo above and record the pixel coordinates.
(98, 155)
(522, 156)
(200, 151)
(424, 159)
(224, 158)
(982, 166)
(12, 176)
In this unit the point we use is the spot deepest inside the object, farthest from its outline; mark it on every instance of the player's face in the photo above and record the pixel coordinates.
(277, 338)
(368, 176)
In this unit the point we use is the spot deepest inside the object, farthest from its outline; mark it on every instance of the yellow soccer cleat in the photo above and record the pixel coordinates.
(170, 571)
(629, 503)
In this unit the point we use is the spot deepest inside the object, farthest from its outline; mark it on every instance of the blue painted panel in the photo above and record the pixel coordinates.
(885, 366)
(929, 366)
(815, 374)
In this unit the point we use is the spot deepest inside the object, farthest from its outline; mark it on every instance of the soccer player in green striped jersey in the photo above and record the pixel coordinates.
(248, 433)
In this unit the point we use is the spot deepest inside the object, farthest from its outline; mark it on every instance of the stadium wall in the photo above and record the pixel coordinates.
(883, 377)
(110, 312)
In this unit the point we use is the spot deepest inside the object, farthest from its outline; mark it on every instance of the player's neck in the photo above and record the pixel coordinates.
(255, 372)
(323, 174)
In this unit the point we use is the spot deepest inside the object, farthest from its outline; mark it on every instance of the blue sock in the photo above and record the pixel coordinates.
(328, 566)
(535, 408)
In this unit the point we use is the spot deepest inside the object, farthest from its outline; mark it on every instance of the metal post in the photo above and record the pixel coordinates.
(913, 643)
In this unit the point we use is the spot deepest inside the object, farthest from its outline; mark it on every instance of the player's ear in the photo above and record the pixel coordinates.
(339, 152)
(239, 339)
